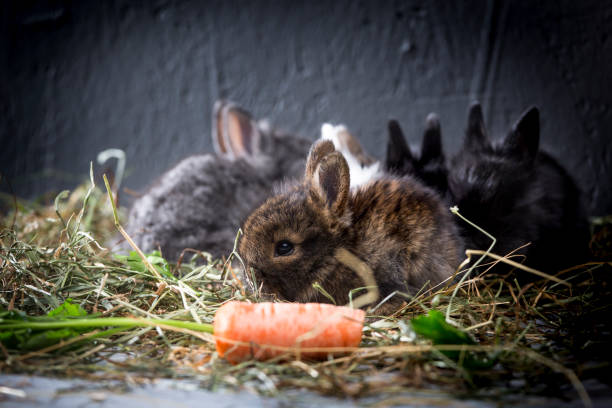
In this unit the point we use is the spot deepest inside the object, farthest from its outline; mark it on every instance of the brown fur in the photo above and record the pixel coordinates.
(396, 225)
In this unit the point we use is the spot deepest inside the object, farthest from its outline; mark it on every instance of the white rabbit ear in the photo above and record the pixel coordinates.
(476, 133)
(331, 182)
(235, 133)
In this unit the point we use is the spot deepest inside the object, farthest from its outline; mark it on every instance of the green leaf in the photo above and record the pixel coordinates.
(435, 328)
(12, 338)
(46, 338)
(27, 339)
(135, 263)
(67, 309)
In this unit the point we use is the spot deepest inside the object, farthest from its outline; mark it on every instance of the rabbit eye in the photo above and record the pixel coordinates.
(283, 248)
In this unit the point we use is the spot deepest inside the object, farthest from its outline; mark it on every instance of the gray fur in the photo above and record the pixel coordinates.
(201, 202)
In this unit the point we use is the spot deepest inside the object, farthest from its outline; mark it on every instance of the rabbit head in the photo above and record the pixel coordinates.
(495, 175)
(502, 186)
(519, 194)
(430, 167)
(289, 242)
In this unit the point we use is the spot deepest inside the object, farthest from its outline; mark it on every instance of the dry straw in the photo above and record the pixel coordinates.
(535, 332)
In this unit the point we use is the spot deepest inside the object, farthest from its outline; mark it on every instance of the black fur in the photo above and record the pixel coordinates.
(429, 167)
(519, 194)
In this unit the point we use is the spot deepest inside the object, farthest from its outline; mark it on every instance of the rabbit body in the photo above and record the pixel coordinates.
(201, 201)
(519, 194)
(398, 227)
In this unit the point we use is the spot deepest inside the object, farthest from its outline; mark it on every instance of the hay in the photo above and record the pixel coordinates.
(527, 338)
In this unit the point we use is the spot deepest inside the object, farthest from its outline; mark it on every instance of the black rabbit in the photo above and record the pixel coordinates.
(519, 194)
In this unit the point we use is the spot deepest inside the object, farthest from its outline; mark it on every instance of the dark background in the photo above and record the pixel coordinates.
(78, 77)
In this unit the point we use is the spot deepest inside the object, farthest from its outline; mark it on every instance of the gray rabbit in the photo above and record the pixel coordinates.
(200, 202)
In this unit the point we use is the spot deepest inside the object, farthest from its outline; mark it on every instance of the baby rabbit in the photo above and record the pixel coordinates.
(519, 194)
(430, 167)
(201, 201)
(398, 227)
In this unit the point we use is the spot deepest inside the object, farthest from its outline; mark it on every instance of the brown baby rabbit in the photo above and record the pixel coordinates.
(397, 226)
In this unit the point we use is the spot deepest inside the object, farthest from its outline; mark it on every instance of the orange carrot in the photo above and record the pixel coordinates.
(265, 330)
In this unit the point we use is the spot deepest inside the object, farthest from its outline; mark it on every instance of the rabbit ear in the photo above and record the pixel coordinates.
(476, 134)
(330, 183)
(235, 133)
(398, 152)
(319, 149)
(431, 149)
(524, 137)
(217, 129)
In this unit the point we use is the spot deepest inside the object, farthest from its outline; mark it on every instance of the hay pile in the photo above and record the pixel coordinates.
(521, 339)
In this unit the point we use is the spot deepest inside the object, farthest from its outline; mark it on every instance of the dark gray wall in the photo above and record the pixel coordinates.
(82, 76)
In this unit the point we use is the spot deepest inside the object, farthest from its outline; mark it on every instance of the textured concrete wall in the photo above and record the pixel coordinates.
(82, 76)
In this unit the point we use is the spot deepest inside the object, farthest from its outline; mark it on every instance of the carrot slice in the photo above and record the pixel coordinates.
(265, 330)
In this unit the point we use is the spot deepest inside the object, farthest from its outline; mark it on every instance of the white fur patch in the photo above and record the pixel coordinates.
(360, 173)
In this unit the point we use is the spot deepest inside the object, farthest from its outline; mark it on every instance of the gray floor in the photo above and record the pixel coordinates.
(21, 391)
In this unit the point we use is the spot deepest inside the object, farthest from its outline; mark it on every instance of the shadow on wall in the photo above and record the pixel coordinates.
(81, 77)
